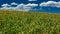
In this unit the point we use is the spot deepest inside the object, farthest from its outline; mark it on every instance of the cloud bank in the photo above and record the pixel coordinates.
(51, 4)
(19, 7)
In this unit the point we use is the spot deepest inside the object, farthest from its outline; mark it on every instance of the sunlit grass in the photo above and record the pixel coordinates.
(16, 22)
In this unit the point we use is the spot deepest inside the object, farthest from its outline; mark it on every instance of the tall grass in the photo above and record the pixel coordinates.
(15, 22)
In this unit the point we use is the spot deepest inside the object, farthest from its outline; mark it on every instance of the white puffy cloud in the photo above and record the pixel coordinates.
(4, 8)
(32, 0)
(31, 5)
(5, 5)
(7, 8)
(19, 7)
(26, 7)
(14, 3)
(50, 3)
(22, 7)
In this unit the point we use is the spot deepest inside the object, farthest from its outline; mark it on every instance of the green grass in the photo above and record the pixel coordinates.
(15, 22)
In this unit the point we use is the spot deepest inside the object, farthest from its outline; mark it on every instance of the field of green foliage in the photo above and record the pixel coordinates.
(18, 22)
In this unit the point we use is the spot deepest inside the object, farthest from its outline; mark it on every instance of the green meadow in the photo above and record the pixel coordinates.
(20, 22)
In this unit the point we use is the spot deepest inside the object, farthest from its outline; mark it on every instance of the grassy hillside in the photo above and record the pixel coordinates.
(15, 22)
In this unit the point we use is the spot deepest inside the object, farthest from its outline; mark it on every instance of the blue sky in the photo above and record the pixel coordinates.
(32, 5)
(23, 1)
